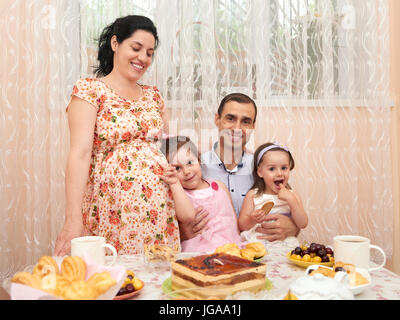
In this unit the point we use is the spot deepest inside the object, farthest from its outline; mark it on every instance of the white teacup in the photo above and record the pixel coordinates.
(356, 250)
(94, 247)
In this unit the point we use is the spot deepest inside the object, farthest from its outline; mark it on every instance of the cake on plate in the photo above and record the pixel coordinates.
(217, 275)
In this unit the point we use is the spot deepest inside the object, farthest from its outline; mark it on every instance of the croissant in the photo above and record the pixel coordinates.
(79, 290)
(45, 266)
(226, 247)
(248, 253)
(234, 252)
(28, 279)
(73, 268)
(49, 284)
(55, 284)
(229, 248)
(101, 282)
(258, 247)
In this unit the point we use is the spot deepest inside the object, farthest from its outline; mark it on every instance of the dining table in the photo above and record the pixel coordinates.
(281, 273)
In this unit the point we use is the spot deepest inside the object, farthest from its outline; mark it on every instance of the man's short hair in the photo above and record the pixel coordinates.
(240, 98)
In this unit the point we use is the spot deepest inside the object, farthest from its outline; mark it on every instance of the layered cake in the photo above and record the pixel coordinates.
(216, 275)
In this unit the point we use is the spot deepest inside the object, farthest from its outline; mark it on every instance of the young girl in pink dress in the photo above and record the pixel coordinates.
(186, 182)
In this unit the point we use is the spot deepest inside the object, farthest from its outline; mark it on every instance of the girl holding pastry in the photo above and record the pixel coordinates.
(189, 190)
(271, 194)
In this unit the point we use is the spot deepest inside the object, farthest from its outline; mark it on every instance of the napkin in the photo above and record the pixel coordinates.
(22, 292)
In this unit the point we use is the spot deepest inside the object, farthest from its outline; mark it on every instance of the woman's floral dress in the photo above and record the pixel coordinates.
(125, 200)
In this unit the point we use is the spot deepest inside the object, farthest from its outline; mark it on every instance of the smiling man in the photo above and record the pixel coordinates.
(229, 162)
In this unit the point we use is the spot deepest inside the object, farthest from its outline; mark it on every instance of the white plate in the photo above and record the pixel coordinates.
(358, 289)
(355, 290)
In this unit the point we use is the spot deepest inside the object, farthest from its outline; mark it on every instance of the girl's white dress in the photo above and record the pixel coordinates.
(280, 207)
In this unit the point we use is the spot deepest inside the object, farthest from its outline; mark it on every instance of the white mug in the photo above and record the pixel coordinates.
(355, 250)
(94, 247)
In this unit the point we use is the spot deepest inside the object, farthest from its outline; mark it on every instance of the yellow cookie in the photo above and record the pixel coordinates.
(267, 206)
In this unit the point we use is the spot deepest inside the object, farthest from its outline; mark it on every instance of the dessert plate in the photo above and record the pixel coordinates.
(305, 264)
(167, 288)
(355, 289)
(129, 295)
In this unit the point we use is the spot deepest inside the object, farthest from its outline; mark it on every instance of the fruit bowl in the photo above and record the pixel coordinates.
(131, 286)
(305, 264)
(315, 254)
(129, 295)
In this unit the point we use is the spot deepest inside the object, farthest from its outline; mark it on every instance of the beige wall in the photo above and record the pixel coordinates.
(394, 12)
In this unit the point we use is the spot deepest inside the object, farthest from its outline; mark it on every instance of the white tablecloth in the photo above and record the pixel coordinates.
(281, 272)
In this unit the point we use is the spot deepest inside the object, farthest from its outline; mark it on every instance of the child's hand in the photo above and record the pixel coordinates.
(284, 193)
(258, 215)
(170, 175)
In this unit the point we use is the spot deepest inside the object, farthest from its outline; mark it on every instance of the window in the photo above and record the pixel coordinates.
(297, 49)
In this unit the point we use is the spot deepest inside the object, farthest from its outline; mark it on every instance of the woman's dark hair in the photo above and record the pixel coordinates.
(122, 28)
(259, 182)
(237, 97)
(171, 145)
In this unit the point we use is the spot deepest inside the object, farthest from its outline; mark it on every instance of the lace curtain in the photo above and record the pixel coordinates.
(39, 64)
(318, 70)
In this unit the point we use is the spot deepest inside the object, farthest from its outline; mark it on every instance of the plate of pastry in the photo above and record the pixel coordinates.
(359, 278)
(131, 286)
(254, 251)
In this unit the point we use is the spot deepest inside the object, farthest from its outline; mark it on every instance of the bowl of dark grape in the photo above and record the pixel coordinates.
(316, 253)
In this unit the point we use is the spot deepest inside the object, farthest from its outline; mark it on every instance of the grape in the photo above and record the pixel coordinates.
(321, 253)
(129, 288)
(298, 250)
(121, 292)
(313, 248)
(325, 259)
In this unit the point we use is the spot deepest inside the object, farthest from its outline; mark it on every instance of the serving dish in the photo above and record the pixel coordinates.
(131, 294)
(305, 264)
(354, 289)
(166, 287)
